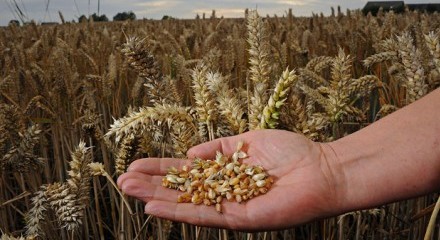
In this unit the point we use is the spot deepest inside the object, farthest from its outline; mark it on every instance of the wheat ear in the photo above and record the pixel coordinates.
(379, 58)
(138, 121)
(229, 105)
(68, 199)
(72, 206)
(36, 215)
(259, 51)
(9, 237)
(140, 58)
(317, 64)
(415, 75)
(182, 138)
(205, 102)
(125, 153)
(433, 43)
(21, 158)
(271, 111)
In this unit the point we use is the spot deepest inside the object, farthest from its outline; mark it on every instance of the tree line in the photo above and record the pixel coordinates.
(122, 16)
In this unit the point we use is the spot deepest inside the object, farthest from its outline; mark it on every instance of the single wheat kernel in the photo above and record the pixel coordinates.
(172, 179)
(261, 183)
(181, 180)
(259, 176)
(234, 181)
(211, 194)
(184, 198)
(218, 207)
(238, 198)
(207, 202)
(229, 196)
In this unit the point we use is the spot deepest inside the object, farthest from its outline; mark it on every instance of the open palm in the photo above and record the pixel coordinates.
(303, 187)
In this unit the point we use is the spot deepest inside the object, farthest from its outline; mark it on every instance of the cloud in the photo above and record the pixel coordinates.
(36, 9)
(158, 4)
(226, 12)
(291, 2)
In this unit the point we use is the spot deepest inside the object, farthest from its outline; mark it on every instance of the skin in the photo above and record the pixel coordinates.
(395, 158)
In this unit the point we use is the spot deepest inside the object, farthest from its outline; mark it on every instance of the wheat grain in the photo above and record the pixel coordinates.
(211, 181)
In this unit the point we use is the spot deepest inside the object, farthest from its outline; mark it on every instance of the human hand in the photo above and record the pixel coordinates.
(304, 186)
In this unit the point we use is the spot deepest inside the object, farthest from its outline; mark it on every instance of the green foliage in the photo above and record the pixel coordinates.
(101, 18)
(124, 16)
(14, 22)
(95, 17)
(166, 17)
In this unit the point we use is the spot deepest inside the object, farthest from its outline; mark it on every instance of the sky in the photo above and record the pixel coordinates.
(47, 10)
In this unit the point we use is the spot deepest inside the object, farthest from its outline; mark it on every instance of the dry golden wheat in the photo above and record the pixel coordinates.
(72, 79)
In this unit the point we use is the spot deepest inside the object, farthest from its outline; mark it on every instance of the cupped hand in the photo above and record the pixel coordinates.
(304, 186)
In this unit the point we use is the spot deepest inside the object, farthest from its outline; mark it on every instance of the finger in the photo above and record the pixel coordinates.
(157, 166)
(156, 180)
(146, 191)
(206, 150)
(141, 176)
(132, 175)
(201, 215)
(226, 145)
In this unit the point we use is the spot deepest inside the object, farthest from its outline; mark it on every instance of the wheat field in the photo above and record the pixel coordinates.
(79, 102)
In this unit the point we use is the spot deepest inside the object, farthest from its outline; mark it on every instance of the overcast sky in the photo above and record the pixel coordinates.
(47, 10)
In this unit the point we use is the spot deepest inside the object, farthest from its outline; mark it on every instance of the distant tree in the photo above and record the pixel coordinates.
(95, 18)
(166, 17)
(101, 18)
(124, 16)
(14, 22)
(83, 18)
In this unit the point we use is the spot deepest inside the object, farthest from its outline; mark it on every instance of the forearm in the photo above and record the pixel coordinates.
(396, 158)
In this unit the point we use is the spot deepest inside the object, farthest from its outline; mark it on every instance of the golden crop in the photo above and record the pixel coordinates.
(84, 100)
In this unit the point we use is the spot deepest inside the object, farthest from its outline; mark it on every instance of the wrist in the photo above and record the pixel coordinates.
(350, 168)
(333, 168)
